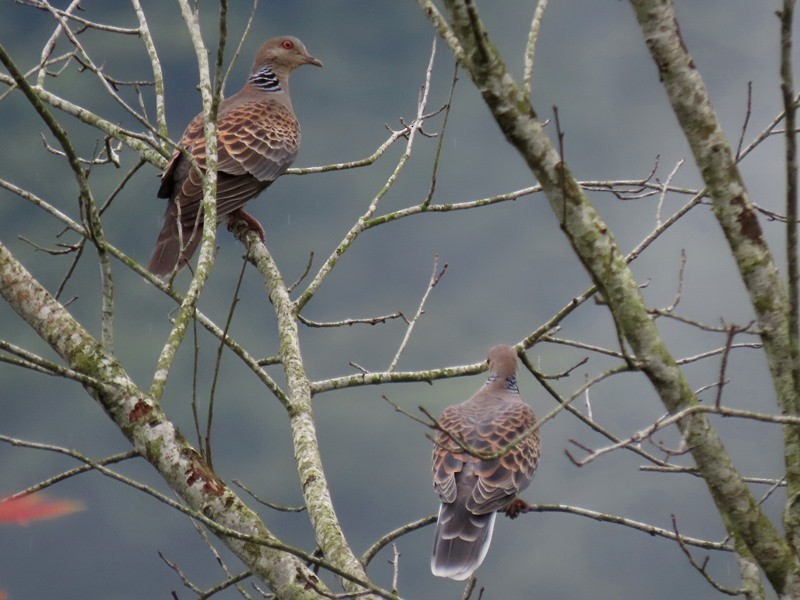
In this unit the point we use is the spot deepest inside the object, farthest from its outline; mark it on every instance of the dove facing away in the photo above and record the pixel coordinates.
(257, 140)
(472, 490)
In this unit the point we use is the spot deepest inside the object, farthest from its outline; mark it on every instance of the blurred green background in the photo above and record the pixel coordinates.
(509, 270)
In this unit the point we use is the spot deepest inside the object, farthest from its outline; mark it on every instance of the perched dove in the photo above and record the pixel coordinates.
(258, 138)
(473, 490)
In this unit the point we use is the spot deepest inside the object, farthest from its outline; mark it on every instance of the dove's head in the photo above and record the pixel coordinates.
(502, 361)
(283, 54)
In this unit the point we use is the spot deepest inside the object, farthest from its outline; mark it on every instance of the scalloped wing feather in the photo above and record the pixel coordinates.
(257, 142)
(487, 427)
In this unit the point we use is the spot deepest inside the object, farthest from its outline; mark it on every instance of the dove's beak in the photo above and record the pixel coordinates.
(313, 61)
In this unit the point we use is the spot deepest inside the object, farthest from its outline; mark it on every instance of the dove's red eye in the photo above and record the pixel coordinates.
(287, 44)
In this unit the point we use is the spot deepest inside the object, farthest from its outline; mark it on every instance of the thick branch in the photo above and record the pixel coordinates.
(737, 217)
(790, 109)
(316, 492)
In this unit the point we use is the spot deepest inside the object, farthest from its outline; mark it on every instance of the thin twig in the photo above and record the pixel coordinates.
(271, 505)
(390, 537)
(440, 143)
(395, 562)
(732, 331)
(303, 275)
(470, 587)
(530, 49)
(701, 568)
(34, 362)
(355, 164)
(436, 277)
(232, 579)
(617, 520)
(664, 189)
(187, 583)
(218, 361)
(667, 420)
(748, 112)
(693, 471)
(242, 39)
(348, 322)
(50, 481)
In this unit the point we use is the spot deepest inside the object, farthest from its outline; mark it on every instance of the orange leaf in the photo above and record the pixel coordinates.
(24, 509)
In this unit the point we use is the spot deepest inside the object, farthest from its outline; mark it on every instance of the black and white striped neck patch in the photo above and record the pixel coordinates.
(265, 80)
(511, 383)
